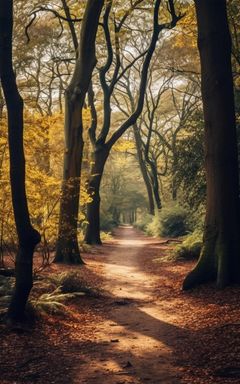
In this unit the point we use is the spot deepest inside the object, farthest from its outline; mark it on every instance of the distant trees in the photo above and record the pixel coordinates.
(220, 256)
(122, 198)
(144, 133)
(170, 104)
(28, 237)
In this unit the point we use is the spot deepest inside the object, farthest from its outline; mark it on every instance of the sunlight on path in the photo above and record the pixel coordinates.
(129, 282)
(139, 331)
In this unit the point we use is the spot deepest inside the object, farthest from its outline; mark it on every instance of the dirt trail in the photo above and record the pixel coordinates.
(144, 330)
(136, 338)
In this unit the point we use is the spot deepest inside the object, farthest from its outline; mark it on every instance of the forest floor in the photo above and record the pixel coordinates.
(142, 329)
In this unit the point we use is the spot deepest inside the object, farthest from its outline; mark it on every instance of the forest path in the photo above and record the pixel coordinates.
(135, 339)
(145, 329)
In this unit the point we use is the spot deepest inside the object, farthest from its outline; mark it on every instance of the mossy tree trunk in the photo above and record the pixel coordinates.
(28, 237)
(67, 249)
(220, 256)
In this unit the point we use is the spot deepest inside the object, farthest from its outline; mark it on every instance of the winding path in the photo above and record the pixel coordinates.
(135, 339)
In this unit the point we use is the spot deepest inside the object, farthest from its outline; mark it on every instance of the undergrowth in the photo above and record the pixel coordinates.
(62, 287)
(50, 294)
(171, 221)
(53, 302)
(190, 247)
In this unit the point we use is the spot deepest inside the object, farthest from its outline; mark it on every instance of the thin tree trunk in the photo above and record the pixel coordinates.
(1, 102)
(143, 169)
(174, 167)
(155, 184)
(220, 257)
(70, 24)
(28, 237)
(67, 249)
(93, 208)
(174, 181)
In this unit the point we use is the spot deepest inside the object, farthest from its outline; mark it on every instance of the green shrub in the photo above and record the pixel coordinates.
(143, 221)
(171, 221)
(106, 222)
(153, 228)
(191, 246)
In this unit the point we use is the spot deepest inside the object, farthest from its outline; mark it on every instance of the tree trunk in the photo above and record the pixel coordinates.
(155, 183)
(1, 102)
(143, 169)
(174, 181)
(220, 256)
(93, 209)
(115, 214)
(174, 168)
(28, 237)
(67, 249)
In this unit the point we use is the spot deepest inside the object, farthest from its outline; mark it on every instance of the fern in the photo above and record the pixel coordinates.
(54, 302)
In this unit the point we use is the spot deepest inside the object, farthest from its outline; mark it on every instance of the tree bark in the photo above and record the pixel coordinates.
(93, 208)
(67, 249)
(174, 181)
(155, 183)
(1, 102)
(28, 237)
(143, 169)
(220, 256)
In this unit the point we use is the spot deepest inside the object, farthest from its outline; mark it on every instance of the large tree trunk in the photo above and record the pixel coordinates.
(143, 169)
(67, 250)
(28, 237)
(93, 209)
(220, 257)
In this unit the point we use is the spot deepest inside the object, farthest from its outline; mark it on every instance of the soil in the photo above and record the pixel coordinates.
(142, 329)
